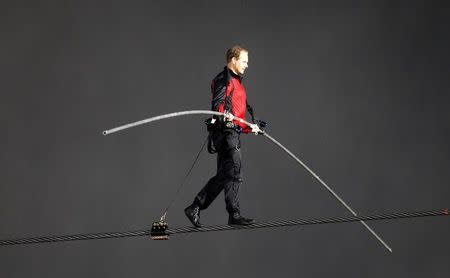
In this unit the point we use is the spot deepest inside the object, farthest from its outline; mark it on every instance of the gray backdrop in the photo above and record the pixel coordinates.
(358, 89)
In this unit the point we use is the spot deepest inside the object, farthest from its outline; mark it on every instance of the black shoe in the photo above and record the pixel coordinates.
(193, 214)
(237, 219)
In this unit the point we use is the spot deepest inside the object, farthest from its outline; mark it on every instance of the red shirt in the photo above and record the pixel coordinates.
(230, 96)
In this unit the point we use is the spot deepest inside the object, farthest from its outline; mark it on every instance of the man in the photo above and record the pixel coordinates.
(228, 95)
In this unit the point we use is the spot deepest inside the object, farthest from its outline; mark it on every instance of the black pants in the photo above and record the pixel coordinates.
(228, 177)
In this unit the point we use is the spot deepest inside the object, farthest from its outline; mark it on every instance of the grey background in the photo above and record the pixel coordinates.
(358, 89)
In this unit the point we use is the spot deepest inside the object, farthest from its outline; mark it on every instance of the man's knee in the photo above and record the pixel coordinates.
(230, 177)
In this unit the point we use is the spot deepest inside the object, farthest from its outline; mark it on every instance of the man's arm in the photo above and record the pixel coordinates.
(258, 126)
(220, 102)
(251, 112)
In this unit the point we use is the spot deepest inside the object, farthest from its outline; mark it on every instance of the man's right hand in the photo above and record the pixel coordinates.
(228, 116)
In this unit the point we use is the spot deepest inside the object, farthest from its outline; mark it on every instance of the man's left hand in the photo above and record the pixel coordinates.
(256, 130)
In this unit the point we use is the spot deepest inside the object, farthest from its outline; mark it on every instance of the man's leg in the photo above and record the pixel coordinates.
(205, 197)
(231, 176)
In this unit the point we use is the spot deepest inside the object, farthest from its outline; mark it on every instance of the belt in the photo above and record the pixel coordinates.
(233, 126)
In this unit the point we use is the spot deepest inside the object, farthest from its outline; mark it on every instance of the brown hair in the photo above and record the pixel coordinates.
(235, 51)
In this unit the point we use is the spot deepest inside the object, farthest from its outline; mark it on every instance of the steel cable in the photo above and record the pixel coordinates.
(258, 225)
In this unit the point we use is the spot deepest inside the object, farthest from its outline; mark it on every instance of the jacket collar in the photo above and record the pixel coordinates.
(232, 74)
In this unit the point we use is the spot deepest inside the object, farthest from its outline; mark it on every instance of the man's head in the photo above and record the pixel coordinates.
(237, 59)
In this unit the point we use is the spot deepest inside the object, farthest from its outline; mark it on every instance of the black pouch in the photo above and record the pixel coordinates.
(212, 124)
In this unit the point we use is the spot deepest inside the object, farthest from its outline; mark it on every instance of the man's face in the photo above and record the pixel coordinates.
(240, 64)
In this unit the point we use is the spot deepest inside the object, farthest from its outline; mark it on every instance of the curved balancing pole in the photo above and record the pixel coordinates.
(230, 116)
